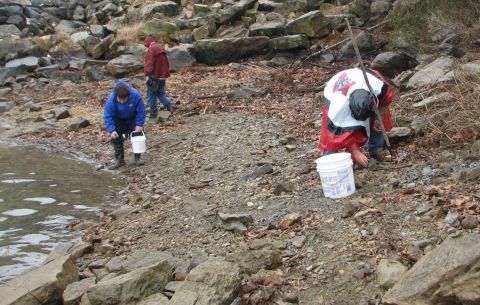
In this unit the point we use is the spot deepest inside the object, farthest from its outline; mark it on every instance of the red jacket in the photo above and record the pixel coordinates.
(353, 138)
(156, 61)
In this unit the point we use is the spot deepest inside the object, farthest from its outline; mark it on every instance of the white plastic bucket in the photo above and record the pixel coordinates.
(139, 143)
(336, 174)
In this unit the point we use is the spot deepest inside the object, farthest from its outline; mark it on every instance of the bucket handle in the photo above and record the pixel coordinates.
(131, 134)
(339, 180)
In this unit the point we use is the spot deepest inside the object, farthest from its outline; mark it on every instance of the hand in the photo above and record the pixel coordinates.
(114, 135)
(360, 157)
(376, 126)
(138, 128)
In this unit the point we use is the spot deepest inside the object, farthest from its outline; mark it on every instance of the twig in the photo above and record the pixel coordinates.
(204, 97)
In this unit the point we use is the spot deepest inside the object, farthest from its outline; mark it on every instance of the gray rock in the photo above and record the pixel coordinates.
(115, 264)
(6, 106)
(215, 51)
(289, 42)
(79, 13)
(252, 261)
(74, 292)
(27, 64)
(235, 222)
(435, 99)
(9, 30)
(131, 287)
(267, 168)
(298, 241)
(448, 272)
(94, 74)
(155, 299)
(313, 24)
(215, 282)
(392, 63)
(431, 73)
(123, 65)
(144, 258)
(447, 49)
(452, 219)
(17, 21)
(163, 116)
(270, 29)
(66, 26)
(60, 113)
(34, 107)
(268, 6)
(470, 175)
(364, 42)
(399, 132)
(242, 93)
(78, 123)
(180, 57)
(283, 187)
(79, 36)
(234, 12)
(205, 31)
(389, 272)
(51, 71)
(42, 285)
(167, 8)
(470, 222)
(77, 64)
(194, 22)
(97, 30)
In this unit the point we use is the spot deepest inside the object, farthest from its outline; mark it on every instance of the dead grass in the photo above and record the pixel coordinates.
(458, 120)
(129, 32)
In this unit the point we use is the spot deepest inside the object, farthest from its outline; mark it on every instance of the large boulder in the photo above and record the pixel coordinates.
(289, 42)
(449, 274)
(205, 31)
(234, 12)
(131, 287)
(42, 285)
(167, 8)
(124, 64)
(66, 26)
(312, 24)
(431, 73)
(215, 282)
(364, 42)
(392, 63)
(74, 291)
(158, 28)
(269, 29)
(180, 57)
(215, 51)
(389, 272)
(102, 48)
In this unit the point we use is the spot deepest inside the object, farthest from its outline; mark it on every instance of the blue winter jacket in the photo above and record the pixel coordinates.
(132, 109)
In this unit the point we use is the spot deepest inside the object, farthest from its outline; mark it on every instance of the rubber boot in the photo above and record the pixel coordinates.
(138, 162)
(119, 156)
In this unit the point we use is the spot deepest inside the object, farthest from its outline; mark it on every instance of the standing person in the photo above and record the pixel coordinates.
(348, 117)
(156, 73)
(124, 113)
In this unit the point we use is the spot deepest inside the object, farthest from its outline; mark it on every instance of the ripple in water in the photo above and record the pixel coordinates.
(20, 212)
(11, 181)
(41, 200)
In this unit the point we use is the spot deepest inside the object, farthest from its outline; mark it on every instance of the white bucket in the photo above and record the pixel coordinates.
(139, 143)
(336, 174)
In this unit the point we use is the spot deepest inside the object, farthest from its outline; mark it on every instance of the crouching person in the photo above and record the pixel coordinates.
(124, 113)
(349, 120)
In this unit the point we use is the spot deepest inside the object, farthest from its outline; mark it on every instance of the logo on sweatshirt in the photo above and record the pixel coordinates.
(343, 84)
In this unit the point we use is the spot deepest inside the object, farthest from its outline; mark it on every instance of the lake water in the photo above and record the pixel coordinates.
(40, 194)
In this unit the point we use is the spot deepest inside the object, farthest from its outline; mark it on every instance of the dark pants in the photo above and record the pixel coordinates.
(156, 89)
(123, 127)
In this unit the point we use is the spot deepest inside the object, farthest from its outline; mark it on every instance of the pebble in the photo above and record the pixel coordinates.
(291, 297)
(470, 222)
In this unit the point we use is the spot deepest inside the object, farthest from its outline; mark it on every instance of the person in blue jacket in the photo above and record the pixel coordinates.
(124, 113)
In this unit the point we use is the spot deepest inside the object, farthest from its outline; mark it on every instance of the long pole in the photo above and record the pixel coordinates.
(375, 98)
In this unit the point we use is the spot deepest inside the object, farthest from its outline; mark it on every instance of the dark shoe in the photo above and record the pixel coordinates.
(136, 158)
(170, 108)
(117, 164)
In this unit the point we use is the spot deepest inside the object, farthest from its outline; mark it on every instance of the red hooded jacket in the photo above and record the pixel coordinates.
(156, 61)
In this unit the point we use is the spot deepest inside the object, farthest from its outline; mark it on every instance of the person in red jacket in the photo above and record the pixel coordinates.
(348, 117)
(156, 73)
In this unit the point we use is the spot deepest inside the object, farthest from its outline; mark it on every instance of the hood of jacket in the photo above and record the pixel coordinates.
(121, 83)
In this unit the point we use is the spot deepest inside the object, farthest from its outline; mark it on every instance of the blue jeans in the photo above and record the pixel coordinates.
(375, 143)
(156, 89)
